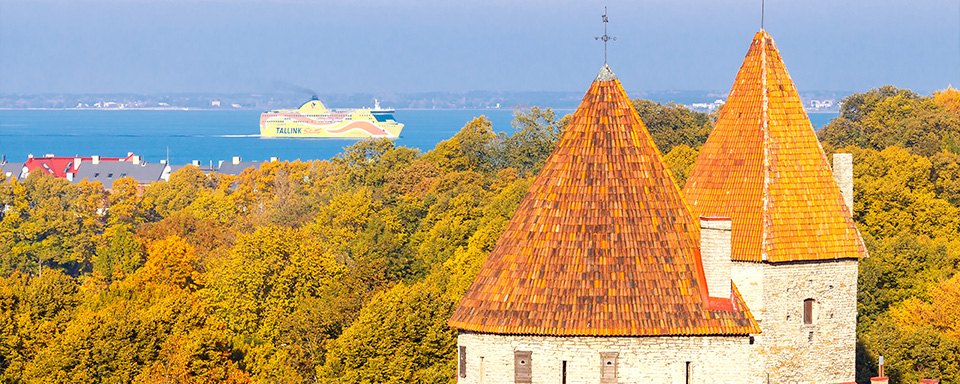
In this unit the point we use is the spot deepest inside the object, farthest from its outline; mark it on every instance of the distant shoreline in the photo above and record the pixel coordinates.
(250, 109)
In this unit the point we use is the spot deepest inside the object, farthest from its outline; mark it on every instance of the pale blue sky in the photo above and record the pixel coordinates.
(90, 46)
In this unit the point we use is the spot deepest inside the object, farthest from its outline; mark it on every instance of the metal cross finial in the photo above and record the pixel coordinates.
(605, 38)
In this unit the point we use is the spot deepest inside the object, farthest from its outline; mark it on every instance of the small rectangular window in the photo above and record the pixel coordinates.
(808, 311)
(463, 361)
(608, 369)
(522, 372)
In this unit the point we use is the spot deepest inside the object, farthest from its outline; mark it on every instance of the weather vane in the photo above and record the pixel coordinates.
(605, 38)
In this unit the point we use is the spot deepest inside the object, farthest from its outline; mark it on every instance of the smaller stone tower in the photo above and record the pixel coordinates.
(597, 278)
(795, 247)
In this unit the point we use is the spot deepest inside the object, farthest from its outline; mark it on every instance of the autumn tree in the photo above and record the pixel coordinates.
(920, 336)
(166, 197)
(890, 116)
(43, 225)
(949, 99)
(673, 124)
(33, 311)
(400, 337)
(172, 262)
(468, 150)
(536, 133)
(681, 159)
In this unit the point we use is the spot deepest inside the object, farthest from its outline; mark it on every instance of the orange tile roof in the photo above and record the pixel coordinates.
(763, 167)
(602, 244)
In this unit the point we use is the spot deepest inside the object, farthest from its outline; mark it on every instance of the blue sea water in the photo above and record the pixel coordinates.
(201, 135)
(211, 136)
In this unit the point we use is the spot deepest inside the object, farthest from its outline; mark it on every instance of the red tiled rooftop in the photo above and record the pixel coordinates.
(602, 244)
(763, 167)
(59, 166)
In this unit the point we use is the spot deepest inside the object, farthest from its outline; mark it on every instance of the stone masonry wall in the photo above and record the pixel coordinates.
(712, 359)
(791, 351)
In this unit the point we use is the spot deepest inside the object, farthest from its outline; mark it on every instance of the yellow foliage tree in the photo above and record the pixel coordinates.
(267, 273)
(680, 159)
(172, 262)
(949, 99)
(125, 205)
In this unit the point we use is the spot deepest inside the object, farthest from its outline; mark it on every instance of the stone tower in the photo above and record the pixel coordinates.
(598, 277)
(795, 247)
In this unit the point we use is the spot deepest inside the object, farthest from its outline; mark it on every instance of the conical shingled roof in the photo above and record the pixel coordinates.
(602, 244)
(763, 167)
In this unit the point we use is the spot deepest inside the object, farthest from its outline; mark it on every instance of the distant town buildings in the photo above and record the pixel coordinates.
(707, 107)
(107, 170)
(821, 104)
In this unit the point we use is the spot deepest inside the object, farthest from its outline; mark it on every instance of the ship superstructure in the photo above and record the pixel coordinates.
(313, 119)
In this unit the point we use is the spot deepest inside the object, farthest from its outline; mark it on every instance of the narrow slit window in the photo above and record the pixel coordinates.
(687, 372)
(563, 372)
(808, 311)
(463, 361)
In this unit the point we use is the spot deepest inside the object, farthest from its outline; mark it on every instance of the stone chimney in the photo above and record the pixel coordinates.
(95, 159)
(843, 174)
(76, 163)
(136, 159)
(715, 254)
(236, 160)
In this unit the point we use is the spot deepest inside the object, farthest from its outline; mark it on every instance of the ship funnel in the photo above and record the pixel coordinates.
(315, 97)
